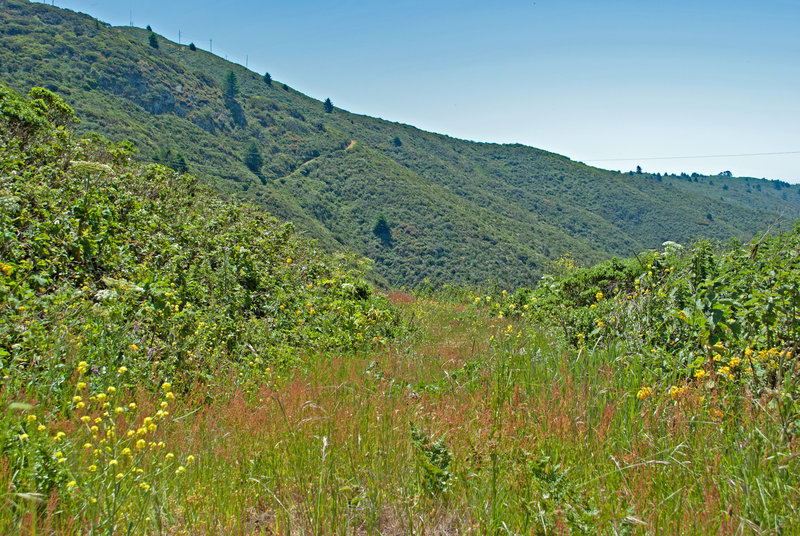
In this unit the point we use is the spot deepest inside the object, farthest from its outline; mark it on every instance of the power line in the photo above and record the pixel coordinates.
(688, 157)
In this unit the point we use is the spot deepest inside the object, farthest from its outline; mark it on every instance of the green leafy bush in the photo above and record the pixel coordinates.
(116, 264)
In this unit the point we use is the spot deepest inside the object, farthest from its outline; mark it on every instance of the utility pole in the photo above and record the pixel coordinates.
(179, 37)
(131, 19)
(211, 45)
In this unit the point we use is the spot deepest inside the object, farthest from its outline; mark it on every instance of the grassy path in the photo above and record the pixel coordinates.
(472, 426)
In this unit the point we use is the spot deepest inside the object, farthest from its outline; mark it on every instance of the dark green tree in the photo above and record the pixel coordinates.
(267, 79)
(230, 89)
(153, 40)
(192, 47)
(179, 163)
(252, 157)
(396, 141)
(327, 106)
(285, 87)
(175, 160)
(382, 230)
(230, 85)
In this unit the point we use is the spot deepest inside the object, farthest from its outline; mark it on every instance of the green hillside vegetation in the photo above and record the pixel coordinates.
(458, 211)
(176, 363)
(90, 237)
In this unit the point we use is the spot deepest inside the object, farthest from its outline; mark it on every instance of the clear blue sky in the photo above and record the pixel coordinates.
(594, 80)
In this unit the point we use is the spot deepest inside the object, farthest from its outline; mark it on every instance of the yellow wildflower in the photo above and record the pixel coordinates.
(700, 374)
(675, 392)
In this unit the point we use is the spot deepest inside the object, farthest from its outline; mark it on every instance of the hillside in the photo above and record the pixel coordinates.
(174, 363)
(457, 211)
(90, 235)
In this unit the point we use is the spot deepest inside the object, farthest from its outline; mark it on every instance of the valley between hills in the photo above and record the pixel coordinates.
(228, 308)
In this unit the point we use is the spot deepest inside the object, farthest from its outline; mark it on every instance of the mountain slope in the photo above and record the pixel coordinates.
(457, 210)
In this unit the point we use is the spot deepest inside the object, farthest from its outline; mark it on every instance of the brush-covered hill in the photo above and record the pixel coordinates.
(115, 263)
(454, 210)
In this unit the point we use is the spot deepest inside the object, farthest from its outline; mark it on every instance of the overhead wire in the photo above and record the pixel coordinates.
(688, 157)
